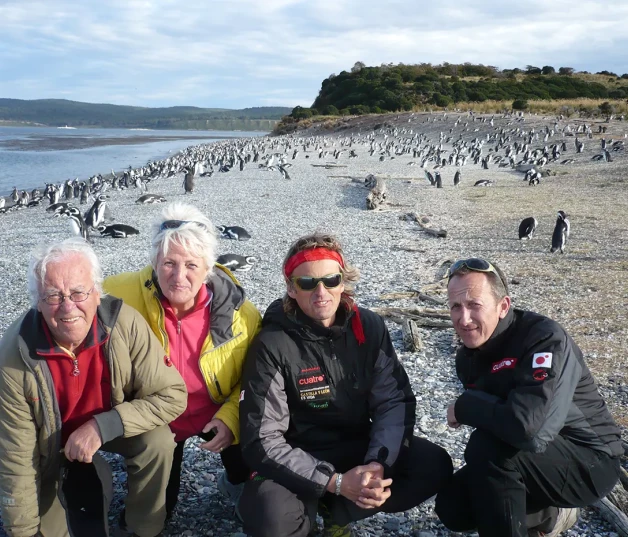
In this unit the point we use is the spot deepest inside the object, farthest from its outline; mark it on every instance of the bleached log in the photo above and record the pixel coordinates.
(377, 195)
(411, 335)
(612, 515)
(414, 294)
(425, 226)
(397, 316)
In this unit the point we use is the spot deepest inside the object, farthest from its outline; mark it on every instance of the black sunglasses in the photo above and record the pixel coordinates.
(309, 283)
(476, 265)
(176, 224)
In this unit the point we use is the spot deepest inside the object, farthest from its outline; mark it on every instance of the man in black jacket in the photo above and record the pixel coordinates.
(544, 441)
(326, 409)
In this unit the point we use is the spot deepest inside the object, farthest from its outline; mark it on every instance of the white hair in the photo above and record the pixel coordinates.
(53, 253)
(195, 233)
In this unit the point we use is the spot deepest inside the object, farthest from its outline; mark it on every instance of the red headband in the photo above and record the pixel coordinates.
(313, 254)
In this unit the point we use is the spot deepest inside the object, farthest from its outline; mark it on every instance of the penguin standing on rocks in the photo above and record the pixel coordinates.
(457, 178)
(237, 262)
(188, 181)
(561, 233)
(527, 228)
(15, 195)
(77, 222)
(95, 216)
(438, 180)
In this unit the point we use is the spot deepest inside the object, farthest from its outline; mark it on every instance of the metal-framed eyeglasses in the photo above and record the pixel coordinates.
(76, 296)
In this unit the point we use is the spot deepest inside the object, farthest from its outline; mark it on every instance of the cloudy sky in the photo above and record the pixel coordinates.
(243, 53)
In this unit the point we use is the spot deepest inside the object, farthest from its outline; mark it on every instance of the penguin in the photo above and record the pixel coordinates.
(2, 202)
(188, 181)
(484, 182)
(58, 208)
(561, 233)
(438, 180)
(117, 231)
(457, 178)
(150, 198)
(527, 227)
(237, 262)
(233, 232)
(14, 195)
(284, 172)
(95, 216)
(77, 222)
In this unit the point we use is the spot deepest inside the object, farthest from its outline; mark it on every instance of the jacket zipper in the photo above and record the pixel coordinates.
(215, 377)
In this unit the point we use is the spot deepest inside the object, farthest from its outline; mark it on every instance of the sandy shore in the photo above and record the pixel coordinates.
(584, 289)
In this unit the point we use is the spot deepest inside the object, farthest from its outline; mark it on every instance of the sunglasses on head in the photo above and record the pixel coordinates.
(309, 283)
(176, 224)
(476, 265)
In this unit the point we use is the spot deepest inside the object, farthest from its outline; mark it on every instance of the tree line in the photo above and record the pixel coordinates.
(391, 88)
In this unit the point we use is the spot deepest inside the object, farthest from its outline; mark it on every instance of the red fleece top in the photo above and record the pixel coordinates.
(185, 338)
(82, 379)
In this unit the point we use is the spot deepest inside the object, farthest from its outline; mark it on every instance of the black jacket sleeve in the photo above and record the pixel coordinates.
(536, 408)
(392, 405)
(264, 419)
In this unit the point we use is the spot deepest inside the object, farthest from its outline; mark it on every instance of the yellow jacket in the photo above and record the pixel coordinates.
(234, 322)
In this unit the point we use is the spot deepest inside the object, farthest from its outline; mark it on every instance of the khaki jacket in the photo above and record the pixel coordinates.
(234, 322)
(145, 393)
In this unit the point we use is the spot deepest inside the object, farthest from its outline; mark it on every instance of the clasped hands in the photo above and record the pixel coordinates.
(364, 485)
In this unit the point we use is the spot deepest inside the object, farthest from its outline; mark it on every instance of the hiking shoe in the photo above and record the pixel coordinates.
(230, 491)
(567, 517)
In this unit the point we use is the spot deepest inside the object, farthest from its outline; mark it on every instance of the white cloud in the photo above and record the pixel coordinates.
(236, 53)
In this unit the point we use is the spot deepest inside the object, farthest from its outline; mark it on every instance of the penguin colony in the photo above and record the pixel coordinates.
(510, 144)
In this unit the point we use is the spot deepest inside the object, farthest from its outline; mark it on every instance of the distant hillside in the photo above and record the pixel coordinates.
(60, 112)
(390, 88)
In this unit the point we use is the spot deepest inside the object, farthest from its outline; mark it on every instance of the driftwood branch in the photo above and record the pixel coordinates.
(424, 319)
(414, 294)
(328, 166)
(411, 335)
(423, 223)
(613, 515)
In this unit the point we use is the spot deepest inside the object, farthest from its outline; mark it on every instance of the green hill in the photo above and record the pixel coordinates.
(390, 88)
(60, 112)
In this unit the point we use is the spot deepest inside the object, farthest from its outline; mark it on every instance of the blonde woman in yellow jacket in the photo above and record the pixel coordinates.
(198, 311)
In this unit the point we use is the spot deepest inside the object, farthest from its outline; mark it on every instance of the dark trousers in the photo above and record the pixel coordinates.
(503, 492)
(268, 509)
(235, 467)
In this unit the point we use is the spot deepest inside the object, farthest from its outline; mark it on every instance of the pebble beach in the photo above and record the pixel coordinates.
(584, 289)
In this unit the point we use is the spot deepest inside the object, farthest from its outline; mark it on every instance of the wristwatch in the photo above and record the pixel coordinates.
(338, 483)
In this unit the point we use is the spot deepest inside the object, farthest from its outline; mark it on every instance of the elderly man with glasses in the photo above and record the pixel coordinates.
(327, 412)
(81, 372)
(544, 441)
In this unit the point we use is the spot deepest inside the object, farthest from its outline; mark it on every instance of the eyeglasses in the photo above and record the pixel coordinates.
(176, 224)
(76, 296)
(309, 283)
(476, 265)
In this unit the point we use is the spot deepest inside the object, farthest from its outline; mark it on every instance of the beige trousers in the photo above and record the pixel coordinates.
(148, 459)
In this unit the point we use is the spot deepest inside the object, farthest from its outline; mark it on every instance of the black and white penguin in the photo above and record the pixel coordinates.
(188, 181)
(284, 172)
(233, 232)
(457, 178)
(2, 202)
(237, 262)
(15, 195)
(527, 228)
(150, 198)
(484, 182)
(561, 233)
(95, 216)
(117, 231)
(77, 222)
(438, 180)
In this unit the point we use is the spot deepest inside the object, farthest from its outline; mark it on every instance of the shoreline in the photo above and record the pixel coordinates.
(583, 289)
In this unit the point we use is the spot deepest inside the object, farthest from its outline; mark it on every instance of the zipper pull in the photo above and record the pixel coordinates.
(178, 327)
(76, 371)
(331, 348)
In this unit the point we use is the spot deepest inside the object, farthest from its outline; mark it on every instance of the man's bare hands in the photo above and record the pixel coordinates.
(364, 485)
(83, 443)
(223, 439)
(451, 417)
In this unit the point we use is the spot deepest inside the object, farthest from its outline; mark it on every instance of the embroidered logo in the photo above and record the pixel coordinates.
(313, 388)
(168, 361)
(540, 375)
(242, 396)
(506, 363)
(542, 359)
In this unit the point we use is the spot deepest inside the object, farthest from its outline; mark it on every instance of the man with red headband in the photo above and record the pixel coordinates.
(326, 409)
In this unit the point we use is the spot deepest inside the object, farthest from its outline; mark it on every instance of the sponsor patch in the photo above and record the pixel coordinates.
(8, 501)
(540, 375)
(505, 363)
(168, 361)
(313, 387)
(542, 359)
(242, 396)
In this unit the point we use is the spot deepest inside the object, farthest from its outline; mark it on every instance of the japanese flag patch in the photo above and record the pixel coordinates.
(542, 359)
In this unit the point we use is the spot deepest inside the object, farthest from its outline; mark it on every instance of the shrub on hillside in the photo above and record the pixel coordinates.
(520, 104)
